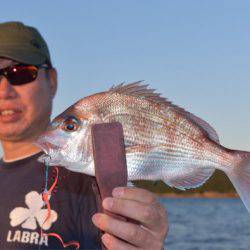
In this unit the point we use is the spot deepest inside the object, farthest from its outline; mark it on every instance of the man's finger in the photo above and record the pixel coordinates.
(136, 194)
(132, 233)
(147, 215)
(113, 243)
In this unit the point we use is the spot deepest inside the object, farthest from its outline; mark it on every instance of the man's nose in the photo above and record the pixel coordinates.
(7, 91)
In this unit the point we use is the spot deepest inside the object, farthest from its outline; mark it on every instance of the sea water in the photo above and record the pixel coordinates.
(207, 224)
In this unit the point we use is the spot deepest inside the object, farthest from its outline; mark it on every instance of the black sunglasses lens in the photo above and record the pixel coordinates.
(21, 74)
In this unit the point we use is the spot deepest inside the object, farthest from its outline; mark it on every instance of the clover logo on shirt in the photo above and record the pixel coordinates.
(33, 214)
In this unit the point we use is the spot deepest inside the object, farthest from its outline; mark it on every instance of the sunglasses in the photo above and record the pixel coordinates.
(20, 74)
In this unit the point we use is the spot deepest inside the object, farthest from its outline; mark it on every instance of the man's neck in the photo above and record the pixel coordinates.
(18, 150)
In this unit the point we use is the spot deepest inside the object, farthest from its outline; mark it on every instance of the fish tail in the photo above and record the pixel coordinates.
(240, 176)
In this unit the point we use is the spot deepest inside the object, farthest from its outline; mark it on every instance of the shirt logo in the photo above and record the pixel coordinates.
(33, 215)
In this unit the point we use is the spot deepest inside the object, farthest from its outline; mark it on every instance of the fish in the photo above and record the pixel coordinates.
(162, 140)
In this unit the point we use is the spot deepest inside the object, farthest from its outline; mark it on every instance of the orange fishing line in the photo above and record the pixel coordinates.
(77, 245)
(46, 197)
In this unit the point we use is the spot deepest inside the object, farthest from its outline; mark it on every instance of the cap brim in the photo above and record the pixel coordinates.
(23, 56)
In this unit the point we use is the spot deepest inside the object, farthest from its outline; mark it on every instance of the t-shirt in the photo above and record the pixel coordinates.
(22, 210)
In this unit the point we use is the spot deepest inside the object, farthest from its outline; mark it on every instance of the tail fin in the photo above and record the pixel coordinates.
(240, 176)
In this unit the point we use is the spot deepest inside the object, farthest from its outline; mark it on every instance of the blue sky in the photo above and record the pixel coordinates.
(196, 53)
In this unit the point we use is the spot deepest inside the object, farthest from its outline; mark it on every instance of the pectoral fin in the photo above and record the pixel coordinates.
(191, 178)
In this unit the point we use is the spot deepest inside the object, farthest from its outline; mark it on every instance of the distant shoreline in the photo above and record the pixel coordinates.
(200, 195)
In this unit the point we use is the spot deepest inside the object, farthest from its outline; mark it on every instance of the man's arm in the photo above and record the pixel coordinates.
(137, 204)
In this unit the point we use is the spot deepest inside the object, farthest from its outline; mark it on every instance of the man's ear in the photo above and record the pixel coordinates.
(53, 81)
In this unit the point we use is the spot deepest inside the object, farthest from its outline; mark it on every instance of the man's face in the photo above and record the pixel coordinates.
(25, 110)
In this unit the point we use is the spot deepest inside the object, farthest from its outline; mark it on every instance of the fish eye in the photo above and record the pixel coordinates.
(71, 124)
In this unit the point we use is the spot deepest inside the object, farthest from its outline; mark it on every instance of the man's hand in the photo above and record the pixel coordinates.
(139, 205)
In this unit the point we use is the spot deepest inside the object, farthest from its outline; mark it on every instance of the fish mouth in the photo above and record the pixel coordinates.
(50, 151)
(46, 146)
(45, 158)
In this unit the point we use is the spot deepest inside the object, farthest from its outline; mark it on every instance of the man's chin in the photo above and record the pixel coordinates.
(14, 135)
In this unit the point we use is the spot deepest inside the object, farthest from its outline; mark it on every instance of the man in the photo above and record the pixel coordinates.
(28, 83)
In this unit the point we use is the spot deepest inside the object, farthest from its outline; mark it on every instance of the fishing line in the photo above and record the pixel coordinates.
(46, 162)
(46, 195)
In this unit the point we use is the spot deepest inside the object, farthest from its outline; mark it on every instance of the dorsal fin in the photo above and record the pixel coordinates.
(139, 90)
(142, 91)
(206, 126)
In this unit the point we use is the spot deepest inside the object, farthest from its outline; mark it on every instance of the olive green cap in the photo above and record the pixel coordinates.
(23, 44)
